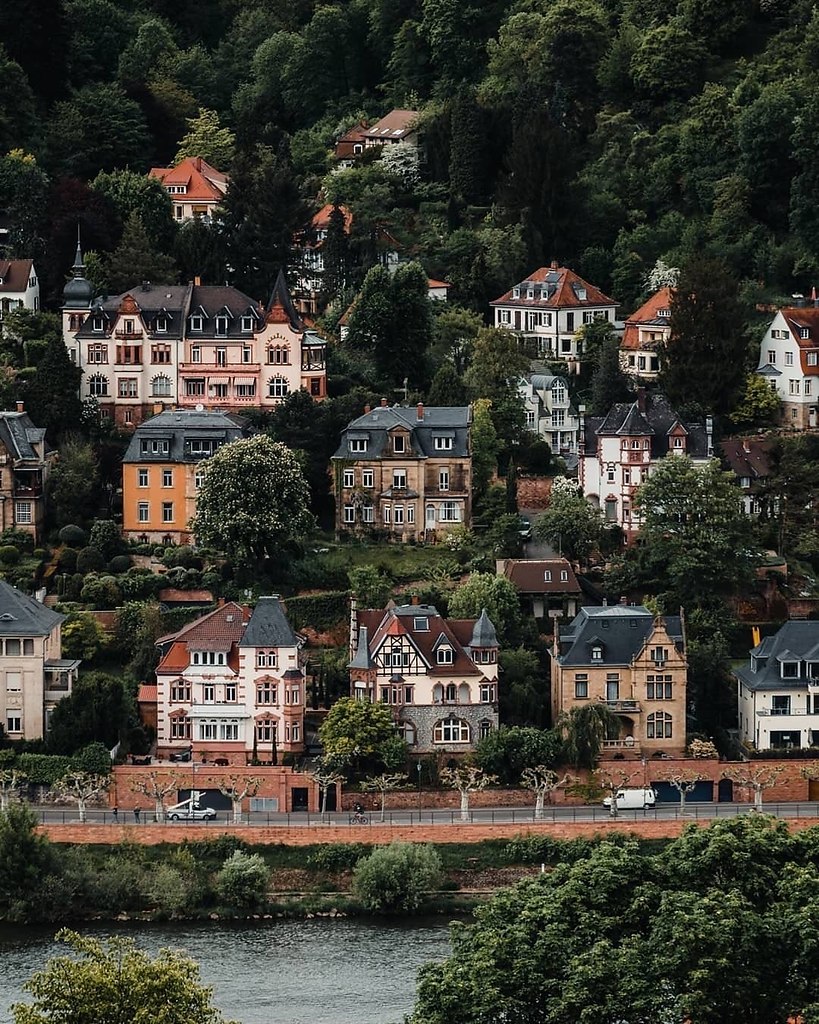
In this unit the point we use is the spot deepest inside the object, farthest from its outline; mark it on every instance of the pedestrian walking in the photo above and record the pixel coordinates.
(137, 811)
(115, 814)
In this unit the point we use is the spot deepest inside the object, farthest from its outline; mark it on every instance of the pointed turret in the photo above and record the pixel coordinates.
(78, 292)
(280, 308)
(484, 634)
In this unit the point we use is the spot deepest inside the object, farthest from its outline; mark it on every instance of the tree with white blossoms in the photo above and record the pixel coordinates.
(702, 749)
(253, 499)
(156, 787)
(684, 781)
(611, 782)
(755, 778)
(570, 523)
(467, 779)
(80, 788)
(11, 779)
(383, 784)
(236, 788)
(662, 276)
(543, 781)
(402, 160)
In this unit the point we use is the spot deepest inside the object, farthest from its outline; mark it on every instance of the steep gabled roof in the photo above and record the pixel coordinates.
(556, 288)
(376, 425)
(656, 419)
(21, 615)
(201, 180)
(395, 125)
(268, 626)
(648, 315)
(749, 456)
(14, 275)
(19, 437)
(621, 630)
(529, 576)
(280, 308)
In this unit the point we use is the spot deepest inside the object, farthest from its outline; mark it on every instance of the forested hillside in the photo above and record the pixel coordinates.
(603, 133)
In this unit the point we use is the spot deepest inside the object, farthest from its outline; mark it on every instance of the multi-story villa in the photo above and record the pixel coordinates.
(439, 676)
(25, 462)
(789, 361)
(646, 334)
(231, 686)
(405, 472)
(549, 412)
(195, 188)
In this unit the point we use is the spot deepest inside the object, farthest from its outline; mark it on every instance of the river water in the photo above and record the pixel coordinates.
(320, 971)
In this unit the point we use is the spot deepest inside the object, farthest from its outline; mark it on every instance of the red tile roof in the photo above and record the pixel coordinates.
(170, 595)
(431, 283)
(147, 694)
(14, 275)
(647, 315)
(529, 577)
(458, 632)
(321, 220)
(799, 320)
(749, 456)
(202, 181)
(563, 295)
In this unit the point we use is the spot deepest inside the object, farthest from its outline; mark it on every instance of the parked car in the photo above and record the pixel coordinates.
(182, 755)
(191, 814)
(140, 758)
(525, 528)
(633, 799)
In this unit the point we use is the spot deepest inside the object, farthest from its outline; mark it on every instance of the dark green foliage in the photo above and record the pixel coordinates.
(51, 394)
(447, 388)
(322, 611)
(338, 856)
(9, 555)
(25, 858)
(505, 752)
(90, 560)
(136, 259)
(99, 709)
(105, 537)
(73, 488)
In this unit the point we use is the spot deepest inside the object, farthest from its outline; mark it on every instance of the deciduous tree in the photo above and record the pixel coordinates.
(207, 138)
(584, 729)
(543, 782)
(80, 788)
(467, 779)
(492, 593)
(157, 786)
(570, 523)
(383, 784)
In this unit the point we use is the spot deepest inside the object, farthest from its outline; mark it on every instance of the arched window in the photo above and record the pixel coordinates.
(451, 693)
(278, 354)
(161, 386)
(409, 732)
(98, 386)
(464, 694)
(451, 730)
(658, 726)
(277, 387)
(437, 693)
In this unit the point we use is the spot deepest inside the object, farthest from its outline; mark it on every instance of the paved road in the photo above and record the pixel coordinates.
(482, 816)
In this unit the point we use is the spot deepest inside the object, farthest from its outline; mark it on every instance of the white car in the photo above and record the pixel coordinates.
(191, 814)
(633, 799)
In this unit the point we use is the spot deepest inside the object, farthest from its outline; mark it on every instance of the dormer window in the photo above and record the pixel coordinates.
(443, 444)
(547, 575)
(790, 669)
(247, 323)
(221, 325)
(597, 653)
(421, 624)
(445, 656)
(358, 445)
(516, 292)
(197, 323)
(664, 313)
(161, 325)
(804, 333)
(398, 445)
(564, 575)
(98, 324)
(208, 658)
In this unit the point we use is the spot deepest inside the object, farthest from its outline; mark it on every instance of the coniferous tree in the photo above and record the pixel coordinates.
(511, 488)
(206, 137)
(135, 260)
(609, 383)
(447, 388)
(199, 252)
(51, 396)
(336, 252)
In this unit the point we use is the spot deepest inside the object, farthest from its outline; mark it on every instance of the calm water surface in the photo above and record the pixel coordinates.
(279, 972)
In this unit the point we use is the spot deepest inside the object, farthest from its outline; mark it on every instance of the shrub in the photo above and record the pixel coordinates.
(101, 591)
(394, 878)
(73, 535)
(183, 557)
(335, 857)
(219, 848)
(19, 538)
(105, 536)
(68, 560)
(243, 880)
(90, 560)
(93, 758)
(40, 554)
(119, 564)
(9, 555)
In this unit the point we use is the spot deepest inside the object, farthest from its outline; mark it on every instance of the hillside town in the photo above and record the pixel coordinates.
(409, 442)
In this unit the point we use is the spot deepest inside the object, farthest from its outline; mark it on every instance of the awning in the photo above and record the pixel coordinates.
(218, 380)
(244, 381)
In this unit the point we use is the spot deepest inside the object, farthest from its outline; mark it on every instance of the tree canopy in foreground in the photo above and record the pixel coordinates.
(718, 928)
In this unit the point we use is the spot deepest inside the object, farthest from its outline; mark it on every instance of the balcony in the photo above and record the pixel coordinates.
(203, 369)
(624, 707)
(628, 743)
(137, 335)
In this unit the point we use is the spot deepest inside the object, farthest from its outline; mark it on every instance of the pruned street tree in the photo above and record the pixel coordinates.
(611, 780)
(326, 776)
(81, 788)
(383, 784)
(543, 782)
(156, 786)
(755, 778)
(11, 781)
(236, 788)
(467, 779)
(684, 780)
(253, 500)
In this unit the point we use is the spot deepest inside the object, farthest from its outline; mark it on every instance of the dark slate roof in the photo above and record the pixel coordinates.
(280, 296)
(169, 300)
(211, 301)
(445, 421)
(655, 420)
(180, 425)
(268, 626)
(21, 615)
(749, 456)
(19, 435)
(361, 658)
(795, 641)
(622, 630)
(484, 634)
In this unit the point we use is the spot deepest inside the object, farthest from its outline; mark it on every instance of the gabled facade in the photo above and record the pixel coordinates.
(778, 690)
(351, 144)
(548, 587)
(231, 686)
(406, 473)
(19, 287)
(618, 451)
(548, 307)
(195, 346)
(25, 463)
(750, 460)
(439, 676)
(789, 362)
(646, 334)
(161, 471)
(33, 673)
(397, 126)
(635, 663)
(195, 188)
(549, 412)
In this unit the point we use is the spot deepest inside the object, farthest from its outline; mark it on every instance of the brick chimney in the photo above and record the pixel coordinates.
(554, 264)
(383, 403)
(197, 280)
(197, 163)
(415, 599)
(21, 407)
(366, 408)
(641, 400)
(420, 412)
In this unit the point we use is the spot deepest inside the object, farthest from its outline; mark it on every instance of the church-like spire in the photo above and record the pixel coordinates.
(78, 291)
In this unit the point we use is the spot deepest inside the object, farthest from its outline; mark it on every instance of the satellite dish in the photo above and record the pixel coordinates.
(200, 407)
(629, 741)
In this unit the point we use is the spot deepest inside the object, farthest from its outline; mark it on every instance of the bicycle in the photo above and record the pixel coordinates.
(358, 819)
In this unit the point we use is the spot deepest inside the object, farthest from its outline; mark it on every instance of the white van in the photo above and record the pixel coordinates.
(633, 799)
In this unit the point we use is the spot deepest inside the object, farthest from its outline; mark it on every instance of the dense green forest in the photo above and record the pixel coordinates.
(603, 133)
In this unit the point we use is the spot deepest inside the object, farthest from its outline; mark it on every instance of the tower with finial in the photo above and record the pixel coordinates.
(77, 296)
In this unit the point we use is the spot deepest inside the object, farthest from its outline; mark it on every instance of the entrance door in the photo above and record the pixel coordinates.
(330, 800)
(298, 798)
(725, 791)
(812, 416)
(430, 517)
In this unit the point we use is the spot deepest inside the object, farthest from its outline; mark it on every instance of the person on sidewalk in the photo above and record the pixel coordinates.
(137, 811)
(115, 814)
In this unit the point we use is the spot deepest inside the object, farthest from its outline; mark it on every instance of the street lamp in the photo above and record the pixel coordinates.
(418, 769)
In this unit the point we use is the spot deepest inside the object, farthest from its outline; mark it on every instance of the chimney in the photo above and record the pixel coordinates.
(623, 599)
(798, 301)
(420, 412)
(197, 163)
(366, 408)
(641, 400)
(415, 599)
(554, 264)
(745, 446)
(220, 603)
(814, 298)
(146, 286)
(709, 435)
(197, 280)
(21, 407)
(383, 403)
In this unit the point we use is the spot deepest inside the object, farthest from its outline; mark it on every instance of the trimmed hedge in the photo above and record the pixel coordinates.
(320, 611)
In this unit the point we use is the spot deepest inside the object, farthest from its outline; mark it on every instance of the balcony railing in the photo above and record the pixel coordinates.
(624, 706)
(128, 335)
(629, 743)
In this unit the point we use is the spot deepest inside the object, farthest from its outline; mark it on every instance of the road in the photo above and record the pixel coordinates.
(479, 816)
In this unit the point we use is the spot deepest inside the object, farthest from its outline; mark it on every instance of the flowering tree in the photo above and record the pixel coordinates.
(10, 782)
(543, 781)
(236, 788)
(80, 788)
(156, 787)
(253, 499)
(383, 784)
(755, 778)
(467, 779)
(684, 781)
(401, 160)
(570, 523)
(662, 276)
(702, 749)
